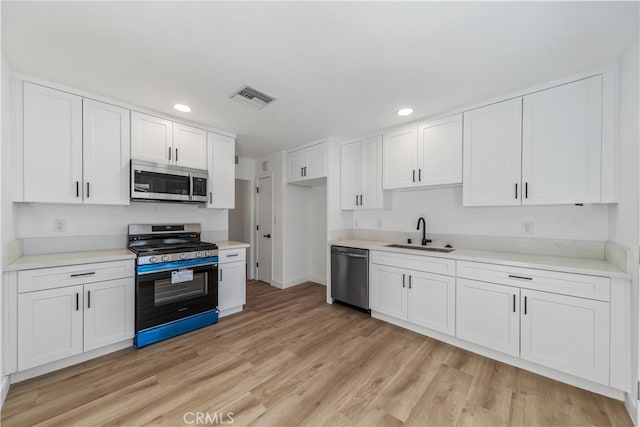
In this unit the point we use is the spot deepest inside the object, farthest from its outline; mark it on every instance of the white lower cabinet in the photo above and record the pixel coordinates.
(566, 333)
(232, 281)
(49, 326)
(421, 298)
(64, 317)
(487, 315)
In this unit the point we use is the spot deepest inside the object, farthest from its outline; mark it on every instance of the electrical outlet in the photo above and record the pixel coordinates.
(527, 228)
(60, 225)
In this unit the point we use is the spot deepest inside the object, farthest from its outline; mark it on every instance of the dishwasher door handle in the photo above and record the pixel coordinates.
(351, 255)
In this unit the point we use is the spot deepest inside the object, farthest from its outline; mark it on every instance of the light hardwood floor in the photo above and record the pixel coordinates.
(290, 359)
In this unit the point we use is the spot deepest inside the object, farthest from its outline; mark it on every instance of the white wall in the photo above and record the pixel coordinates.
(317, 243)
(239, 216)
(295, 222)
(36, 220)
(246, 169)
(624, 218)
(443, 210)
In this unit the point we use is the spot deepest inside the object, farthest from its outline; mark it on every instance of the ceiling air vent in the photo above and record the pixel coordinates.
(252, 98)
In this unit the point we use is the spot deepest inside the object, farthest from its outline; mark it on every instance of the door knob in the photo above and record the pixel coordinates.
(268, 236)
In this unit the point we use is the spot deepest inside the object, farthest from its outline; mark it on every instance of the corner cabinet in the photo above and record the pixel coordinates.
(162, 141)
(423, 155)
(308, 166)
(65, 311)
(361, 175)
(554, 146)
(221, 165)
(74, 150)
(232, 280)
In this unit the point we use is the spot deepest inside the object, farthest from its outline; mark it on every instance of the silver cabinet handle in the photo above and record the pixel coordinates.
(230, 255)
(220, 278)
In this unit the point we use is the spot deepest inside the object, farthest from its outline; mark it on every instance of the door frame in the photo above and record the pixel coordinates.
(257, 232)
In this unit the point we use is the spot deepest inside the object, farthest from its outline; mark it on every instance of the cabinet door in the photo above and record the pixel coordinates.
(350, 175)
(106, 153)
(49, 326)
(400, 163)
(440, 151)
(222, 171)
(296, 161)
(108, 312)
(492, 150)
(431, 301)
(487, 315)
(371, 183)
(316, 159)
(189, 146)
(562, 143)
(388, 291)
(232, 282)
(52, 145)
(151, 139)
(566, 333)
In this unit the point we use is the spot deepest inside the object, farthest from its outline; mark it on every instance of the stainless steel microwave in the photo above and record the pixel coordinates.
(153, 181)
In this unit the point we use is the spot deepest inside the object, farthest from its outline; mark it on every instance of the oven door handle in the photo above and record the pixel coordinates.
(148, 269)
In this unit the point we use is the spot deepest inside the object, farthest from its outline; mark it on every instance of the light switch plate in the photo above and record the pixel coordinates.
(60, 225)
(527, 228)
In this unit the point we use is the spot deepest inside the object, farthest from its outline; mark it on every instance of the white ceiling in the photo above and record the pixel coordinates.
(336, 69)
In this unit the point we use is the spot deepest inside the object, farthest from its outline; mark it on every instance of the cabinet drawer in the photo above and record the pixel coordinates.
(415, 262)
(578, 285)
(57, 277)
(231, 255)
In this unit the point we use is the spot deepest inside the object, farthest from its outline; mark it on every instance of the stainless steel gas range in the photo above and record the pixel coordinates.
(176, 280)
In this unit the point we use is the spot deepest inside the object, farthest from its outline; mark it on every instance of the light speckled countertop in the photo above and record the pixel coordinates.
(594, 267)
(230, 244)
(30, 262)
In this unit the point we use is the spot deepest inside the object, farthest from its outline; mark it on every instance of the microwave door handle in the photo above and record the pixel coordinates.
(190, 186)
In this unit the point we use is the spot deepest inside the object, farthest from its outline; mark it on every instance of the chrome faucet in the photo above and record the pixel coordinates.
(425, 241)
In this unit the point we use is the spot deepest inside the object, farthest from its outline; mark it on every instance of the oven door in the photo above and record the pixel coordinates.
(173, 291)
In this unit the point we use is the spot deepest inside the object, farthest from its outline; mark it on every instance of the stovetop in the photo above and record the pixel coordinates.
(169, 249)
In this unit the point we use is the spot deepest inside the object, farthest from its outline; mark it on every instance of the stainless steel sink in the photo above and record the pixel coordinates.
(421, 248)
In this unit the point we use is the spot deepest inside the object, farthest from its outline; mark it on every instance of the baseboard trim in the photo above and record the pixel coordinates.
(294, 282)
(6, 384)
(64, 363)
(509, 360)
(632, 409)
(322, 281)
(229, 311)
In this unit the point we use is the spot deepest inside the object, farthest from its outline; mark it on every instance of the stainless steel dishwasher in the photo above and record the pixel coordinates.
(350, 277)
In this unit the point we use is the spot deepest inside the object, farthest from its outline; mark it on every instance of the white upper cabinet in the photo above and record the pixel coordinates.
(423, 155)
(189, 146)
(562, 143)
(222, 171)
(400, 162)
(52, 146)
(440, 151)
(307, 166)
(151, 139)
(492, 154)
(554, 146)
(361, 175)
(106, 153)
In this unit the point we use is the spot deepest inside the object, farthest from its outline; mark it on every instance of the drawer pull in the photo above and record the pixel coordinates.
(230, 255)
(513, 276)
(91, 273)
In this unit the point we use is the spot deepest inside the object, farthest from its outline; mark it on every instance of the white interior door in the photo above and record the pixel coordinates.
(265, 220)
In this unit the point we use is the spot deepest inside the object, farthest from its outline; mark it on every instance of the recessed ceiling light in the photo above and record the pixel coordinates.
(183, 108)
(405, 111)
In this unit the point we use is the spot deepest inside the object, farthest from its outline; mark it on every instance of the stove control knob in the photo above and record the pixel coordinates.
(207, 253)
(182, 256)
(165, 258)
(198, 254)
(153, 259)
